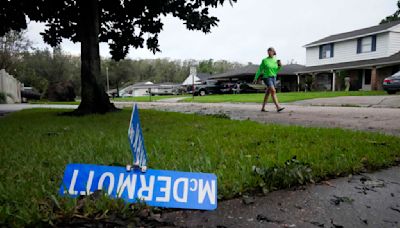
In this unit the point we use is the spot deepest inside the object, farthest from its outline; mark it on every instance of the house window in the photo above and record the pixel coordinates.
(366, 44)
(326, 51)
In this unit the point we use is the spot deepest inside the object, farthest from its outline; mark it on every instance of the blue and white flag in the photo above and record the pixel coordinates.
(136, 141)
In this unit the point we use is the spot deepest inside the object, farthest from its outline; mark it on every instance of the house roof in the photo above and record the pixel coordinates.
(393, 59)
(356, 33)
(289, 69)
(203, 76)
(143, 83)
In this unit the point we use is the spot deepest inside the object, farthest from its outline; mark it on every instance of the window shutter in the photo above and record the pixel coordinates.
(332, 49)
(320, 52)
(359, 40)
(373, 48)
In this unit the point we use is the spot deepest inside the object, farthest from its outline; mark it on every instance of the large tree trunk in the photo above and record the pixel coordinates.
(94, 98)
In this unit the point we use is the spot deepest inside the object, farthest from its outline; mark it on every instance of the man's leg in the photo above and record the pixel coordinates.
(274, 97)
(265, 99)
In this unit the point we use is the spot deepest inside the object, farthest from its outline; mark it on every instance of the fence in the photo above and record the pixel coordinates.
(11, 87)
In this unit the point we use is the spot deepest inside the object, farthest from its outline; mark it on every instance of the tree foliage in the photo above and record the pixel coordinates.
(216, 67)
(12, 45)
(393, 17)
(123, 24)
(41, 68)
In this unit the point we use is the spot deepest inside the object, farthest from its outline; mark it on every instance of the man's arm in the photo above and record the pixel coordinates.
(279, 65)
(259, 71)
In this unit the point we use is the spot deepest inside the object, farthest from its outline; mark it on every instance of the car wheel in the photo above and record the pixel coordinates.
(391, 92)
(202, 92)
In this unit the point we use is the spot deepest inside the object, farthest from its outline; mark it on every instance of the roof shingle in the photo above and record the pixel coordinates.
(356, 33)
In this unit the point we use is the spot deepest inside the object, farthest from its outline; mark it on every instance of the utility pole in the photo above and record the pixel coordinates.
(193, 73)
(108, 83)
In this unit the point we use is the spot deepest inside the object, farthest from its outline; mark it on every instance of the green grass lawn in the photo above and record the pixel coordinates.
(237, 98)
(37, 144)
(283, 97)
(55, 102)
(128, 99)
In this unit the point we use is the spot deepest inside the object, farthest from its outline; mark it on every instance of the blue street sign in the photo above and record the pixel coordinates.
(136, 140)
(159, 188)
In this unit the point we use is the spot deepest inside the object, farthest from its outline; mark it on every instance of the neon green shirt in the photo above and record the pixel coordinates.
(268, 68)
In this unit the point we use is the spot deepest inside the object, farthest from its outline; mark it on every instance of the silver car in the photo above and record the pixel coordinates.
(392, 84)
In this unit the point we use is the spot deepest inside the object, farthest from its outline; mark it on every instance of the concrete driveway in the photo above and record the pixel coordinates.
(383, 120)
(392, 101)
(338, 114)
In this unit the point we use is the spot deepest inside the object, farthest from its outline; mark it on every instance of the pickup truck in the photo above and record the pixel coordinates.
(208, 87)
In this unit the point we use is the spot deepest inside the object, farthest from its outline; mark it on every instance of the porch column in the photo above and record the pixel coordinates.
(374, 79)
(333, 80)
(298, 82)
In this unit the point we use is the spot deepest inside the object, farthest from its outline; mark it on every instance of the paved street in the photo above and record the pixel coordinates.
(368, 200)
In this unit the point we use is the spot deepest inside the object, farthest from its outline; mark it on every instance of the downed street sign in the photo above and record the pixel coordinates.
(159, 188)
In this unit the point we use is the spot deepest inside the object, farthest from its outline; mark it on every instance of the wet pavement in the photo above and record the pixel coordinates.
(389, 101)
(383, 120)
(367, 200)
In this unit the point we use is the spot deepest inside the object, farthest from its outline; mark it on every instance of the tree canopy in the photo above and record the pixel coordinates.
(123, 24)
(393, 17)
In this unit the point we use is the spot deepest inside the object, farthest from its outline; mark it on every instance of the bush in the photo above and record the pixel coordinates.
(61, 91)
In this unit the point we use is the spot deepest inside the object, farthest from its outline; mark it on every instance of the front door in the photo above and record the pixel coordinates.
(366, 80)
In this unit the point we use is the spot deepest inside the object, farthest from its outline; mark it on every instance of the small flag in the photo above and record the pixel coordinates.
(135, 137)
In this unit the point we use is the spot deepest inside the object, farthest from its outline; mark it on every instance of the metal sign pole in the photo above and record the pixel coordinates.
(193, 73)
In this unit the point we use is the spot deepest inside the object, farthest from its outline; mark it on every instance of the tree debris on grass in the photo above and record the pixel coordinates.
(292, 173)
(341, 199)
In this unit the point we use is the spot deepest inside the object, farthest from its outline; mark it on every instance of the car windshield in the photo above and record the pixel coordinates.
(396, 75)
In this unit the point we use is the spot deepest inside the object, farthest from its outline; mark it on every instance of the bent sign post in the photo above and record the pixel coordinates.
(159, 188)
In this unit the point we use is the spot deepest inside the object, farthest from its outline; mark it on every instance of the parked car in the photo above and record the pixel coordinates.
(392, 84)
(208, 87)
(30, 93)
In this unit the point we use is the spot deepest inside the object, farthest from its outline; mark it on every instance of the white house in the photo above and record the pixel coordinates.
(136, 90)
(198, 78)
(145, 88)
(367, 56)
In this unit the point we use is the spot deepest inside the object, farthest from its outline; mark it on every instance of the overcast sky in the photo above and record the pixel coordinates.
(247, 29)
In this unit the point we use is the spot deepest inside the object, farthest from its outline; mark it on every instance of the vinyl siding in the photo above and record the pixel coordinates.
(394, 43)
(395, 28)
(346, 51)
